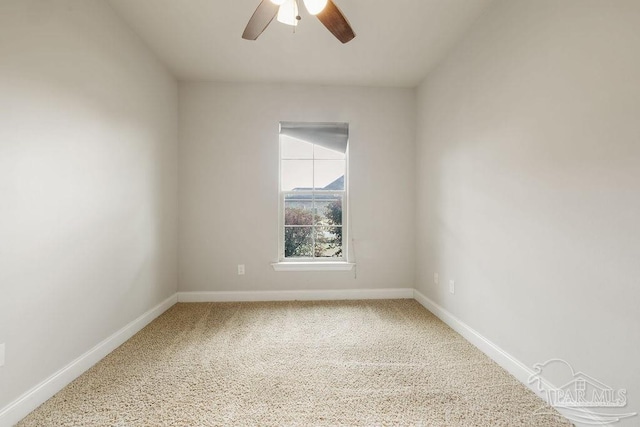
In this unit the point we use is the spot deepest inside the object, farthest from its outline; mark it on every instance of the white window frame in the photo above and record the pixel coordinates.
(311, 263)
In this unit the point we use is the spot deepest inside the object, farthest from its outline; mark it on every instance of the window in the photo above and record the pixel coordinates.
(313, 191)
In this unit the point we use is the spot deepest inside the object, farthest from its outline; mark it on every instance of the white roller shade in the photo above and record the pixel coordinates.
(333, 136)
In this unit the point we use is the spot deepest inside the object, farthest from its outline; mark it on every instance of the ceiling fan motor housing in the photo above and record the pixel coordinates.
(329, 14)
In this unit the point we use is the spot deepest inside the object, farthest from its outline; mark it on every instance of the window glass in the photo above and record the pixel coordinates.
(296, 175)
(313, 191)
(292, 148)
(328, 174)
(322, 153)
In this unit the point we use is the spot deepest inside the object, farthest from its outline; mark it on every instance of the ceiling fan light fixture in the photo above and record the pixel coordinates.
(315, 6)
(288, 13)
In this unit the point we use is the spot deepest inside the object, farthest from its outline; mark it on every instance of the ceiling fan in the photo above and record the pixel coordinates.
(287, 13)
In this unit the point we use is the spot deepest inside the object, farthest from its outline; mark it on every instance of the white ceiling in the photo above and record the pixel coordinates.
(397, 41)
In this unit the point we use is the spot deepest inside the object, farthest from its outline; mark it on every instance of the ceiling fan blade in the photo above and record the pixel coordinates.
(334, 20)
(260, 19)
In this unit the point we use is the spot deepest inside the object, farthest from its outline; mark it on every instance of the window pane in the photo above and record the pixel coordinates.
(321, 153)
(328, 242)
(298, 242)
(329, 174)
(298, 209)
(328, 209)
(295, 149)
(297, 175)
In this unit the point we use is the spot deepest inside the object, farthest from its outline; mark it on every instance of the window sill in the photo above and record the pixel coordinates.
(312, 266)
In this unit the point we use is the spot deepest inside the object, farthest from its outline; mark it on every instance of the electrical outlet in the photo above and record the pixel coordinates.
(436, 278)
(452, 286)
(240, 269)
(2, 347)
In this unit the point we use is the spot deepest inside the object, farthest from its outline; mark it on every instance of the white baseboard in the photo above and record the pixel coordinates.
(501, 357)
(33, 398)
(512, 365)
(296, 295)
(30, 400)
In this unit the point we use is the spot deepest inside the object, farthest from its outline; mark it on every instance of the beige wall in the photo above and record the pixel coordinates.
(88, 147)
(528, 165)
(229, 184)
(527, 183)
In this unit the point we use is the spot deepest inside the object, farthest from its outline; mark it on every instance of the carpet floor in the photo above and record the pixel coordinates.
(332, 363)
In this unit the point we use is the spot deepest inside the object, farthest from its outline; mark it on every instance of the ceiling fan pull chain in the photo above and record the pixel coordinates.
(325, 10)
(296, 12)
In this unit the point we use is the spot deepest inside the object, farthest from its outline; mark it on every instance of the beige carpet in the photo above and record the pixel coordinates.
(295, 364)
